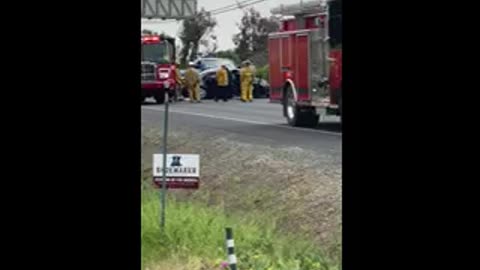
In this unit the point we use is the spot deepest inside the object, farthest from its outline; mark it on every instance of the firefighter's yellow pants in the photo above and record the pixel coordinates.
(250, 92)
(246, 89)
(194, 93)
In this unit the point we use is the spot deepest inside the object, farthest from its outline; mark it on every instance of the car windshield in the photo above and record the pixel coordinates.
(215, 63)
(157, 52)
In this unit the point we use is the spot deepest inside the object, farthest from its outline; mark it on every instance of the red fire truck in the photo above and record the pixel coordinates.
(305, 61)
(158, 68)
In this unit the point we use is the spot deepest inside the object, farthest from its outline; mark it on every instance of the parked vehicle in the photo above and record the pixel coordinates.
(261, 88)
(208, 68)
(207, 63)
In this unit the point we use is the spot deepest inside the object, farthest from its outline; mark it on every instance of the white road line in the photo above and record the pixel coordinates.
(243, 121)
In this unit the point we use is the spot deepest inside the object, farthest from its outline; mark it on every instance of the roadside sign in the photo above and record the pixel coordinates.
(183, 170)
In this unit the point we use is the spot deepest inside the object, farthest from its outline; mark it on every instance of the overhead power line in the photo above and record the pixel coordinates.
(236, 4)
(240, 6)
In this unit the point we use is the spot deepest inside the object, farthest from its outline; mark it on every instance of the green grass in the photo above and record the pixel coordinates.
(194, 239)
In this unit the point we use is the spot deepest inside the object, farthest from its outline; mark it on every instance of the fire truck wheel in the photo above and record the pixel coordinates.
(160, 98)
(298, 116)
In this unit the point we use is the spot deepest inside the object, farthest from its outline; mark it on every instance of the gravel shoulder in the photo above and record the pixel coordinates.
(298, 188)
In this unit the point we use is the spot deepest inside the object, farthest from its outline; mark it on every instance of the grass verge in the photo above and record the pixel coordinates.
(194, 239)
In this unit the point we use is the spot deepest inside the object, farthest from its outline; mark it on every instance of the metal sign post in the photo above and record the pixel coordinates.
(183, 170)
(173, 170)
(164, 173)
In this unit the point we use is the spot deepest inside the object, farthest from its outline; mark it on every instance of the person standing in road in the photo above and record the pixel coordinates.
(229, 93)
(222, 84)
(192, 82)
(243, 89)
(246, 81)
(179, 82)
(252, 69)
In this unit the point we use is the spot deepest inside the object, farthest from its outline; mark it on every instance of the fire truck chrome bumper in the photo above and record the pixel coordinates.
(324, 105)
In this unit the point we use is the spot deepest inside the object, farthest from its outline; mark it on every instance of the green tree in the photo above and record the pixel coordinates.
(192, 32)
(263, 73)
(251, 42)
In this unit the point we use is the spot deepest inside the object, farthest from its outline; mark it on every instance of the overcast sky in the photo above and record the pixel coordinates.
(226, 22)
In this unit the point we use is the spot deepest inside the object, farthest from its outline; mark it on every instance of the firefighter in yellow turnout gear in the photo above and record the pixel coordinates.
(221, 92)
(246, 82)
(192, 82)
(179, 81)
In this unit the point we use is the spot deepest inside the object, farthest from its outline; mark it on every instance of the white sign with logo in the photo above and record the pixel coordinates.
(178, 165)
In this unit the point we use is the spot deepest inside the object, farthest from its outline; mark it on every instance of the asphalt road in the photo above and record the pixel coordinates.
(259, 122)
